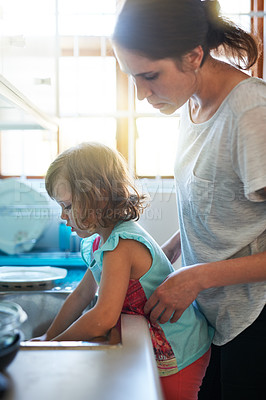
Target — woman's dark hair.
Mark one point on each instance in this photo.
(99, 182)
(161, 29)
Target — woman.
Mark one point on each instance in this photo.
(167, 47)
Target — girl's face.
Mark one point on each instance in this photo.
(63, 196)
(161, 82)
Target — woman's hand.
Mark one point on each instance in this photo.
(181, 288)
(173, 296)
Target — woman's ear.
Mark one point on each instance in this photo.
(192, 60)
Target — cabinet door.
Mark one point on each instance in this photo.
(29, 49)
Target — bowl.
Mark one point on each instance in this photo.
(4, 385)
(12, 317)
(8, 353)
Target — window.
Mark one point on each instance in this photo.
(59, 56)
(250, 15)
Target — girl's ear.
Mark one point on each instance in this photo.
(193, 59)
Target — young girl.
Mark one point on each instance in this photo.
(91, 184)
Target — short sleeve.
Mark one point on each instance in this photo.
(87, 249)
(249, 152)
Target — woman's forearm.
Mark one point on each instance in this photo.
(182, 287)
(232, 271)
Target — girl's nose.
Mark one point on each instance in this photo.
(143, 91)
(64, 215)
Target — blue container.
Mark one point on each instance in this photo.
(64, 237)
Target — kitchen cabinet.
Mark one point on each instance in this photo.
(28, 85)
(28, 49)
(26, 125)
(18, 112)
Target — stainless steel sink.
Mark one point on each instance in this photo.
(41, 308)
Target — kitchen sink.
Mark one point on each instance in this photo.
(41, 308)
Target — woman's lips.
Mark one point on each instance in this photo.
(159, 105)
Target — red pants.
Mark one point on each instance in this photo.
(186, 383)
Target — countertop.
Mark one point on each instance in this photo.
(52, 258)
(123, 372)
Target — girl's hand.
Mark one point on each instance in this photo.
(173, 296)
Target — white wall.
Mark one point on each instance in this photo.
(160, 218)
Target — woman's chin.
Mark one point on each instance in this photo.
(168, 109)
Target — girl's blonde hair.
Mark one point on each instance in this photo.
(99, 183)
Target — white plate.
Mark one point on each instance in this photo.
(24, 214)
(24, 276)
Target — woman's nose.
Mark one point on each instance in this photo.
(143, 91)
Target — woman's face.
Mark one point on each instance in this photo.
(161, 82)
(63, 196)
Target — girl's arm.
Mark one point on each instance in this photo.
(113, 288)
(73, 307)
(172, 248)
(182, 287)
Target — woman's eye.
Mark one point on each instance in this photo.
(68, 208)
(151, 77)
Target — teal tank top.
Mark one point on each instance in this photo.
(190, 337)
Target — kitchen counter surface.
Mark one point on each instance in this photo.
(123, 372)
(52, 258)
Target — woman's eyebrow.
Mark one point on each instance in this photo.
(143, 73)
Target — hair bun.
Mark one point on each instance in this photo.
(212, 9)
(216, 26)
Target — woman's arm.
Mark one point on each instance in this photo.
(172, 248)
(113, 288)
(182, 287)
(73, 307)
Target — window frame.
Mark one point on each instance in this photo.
(257, 28)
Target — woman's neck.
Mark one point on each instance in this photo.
(215, 80)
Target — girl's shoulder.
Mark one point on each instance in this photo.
(91, 247)
(127, 230)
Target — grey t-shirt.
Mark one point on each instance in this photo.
(220, 167)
